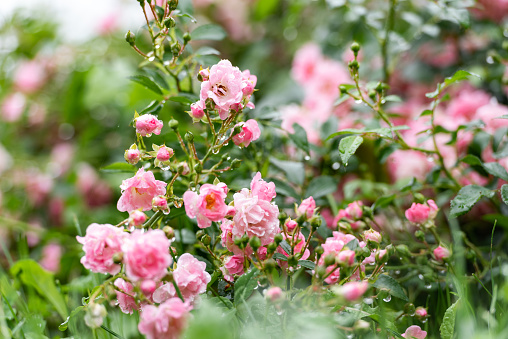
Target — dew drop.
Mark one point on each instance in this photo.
(228, 158)
(424, 321)
(358, 101)
(397, 272)
(387, 299)
(335, 166)
(490, 60)
(152, 58)
(429, 286)
(307, 158)
(420, 276)
(215, 151)
(166, 212)
(368, 301)
(165, 168)
(279, 312)
(227, 143)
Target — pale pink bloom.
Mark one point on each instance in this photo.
(205, 74)
(56, 208)
(233, 265)
(489, 114)
(197, 110)
(30, 76)
(95, 314)
(433, 208)
(290, 225)
(33, 234)
(274, 294)
(305, 62)
(147, 124)
(38, 186)
(255, 217)
(323, 87)
(354, 210)
(132, 156)
(51, 255)
(353, 290)
(227, 239)
(408, 164)
(36, 114)
(138, 191)
(62, 157)
(167, 321)
(126, 301)
(208, 206)
(262, 189)
(137, 218)
(465, 104)
(234, 16)
(414, 332)
(421, 312)
(381, 255)
(148, 287)
(307, 207)
(160, 203)
(250, 132)
(441, 253)
(13, 107)
(189, 275)
(372, 236)
(333, 245)
(100, 244)
(442, 54)
(292, 114)
(108, 24)
(96, 192)
(249, 83)
(495, 10)
(146, 255)
(224, 87)
(420, 213)
(298, 242)
(346, 257)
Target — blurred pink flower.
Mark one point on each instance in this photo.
(30, 76)
(250, 132)
(62, 157)
(38, 186)
(307, 207)
(274, 294)
(490, 113)
(441, 54)
(353, 290)
(138, 191)
(100, 244)
(167, 321)
(495, 10)
(146, 255)
(126, 301)
(13, 107)
(305, 62)
(51, 255)
(441, 253)
(96, 192)
(408, 164)
(414, 332)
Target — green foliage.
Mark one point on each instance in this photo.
(348, 147)
(467, 197)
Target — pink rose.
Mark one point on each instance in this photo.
(372, 236)
(250, 132)
(208, 206)
(441, 253)
(233, 265)
(138, 191)
(466, 103)
(30, 76)
(51, 255)
(333, 246)
(353, 290)
(408, 164)
(147, 124)
(189, 275)
(255, 217)
(137, 218)
(421, 312)
(13, 107)
(489, 114)
(248, 83)
(433, 209)
(132, 156)
(298, 242)
(160, 203)
(262, 189)
(354, 210)
(305, 61)
(224, 87)
(126, 301)
(418, 213)
(197, 110)
(164, 153)
(166, 321)
(307, 207)
(228, 241)
(100, 244)
(290, 225)
(146, 255)
(414, 332)
(274, 294)
(346, 258)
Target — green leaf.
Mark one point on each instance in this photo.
(299, 137)
(181, 99)
(280, 256)
(447, 327)
(295, 171)
(504, 193)
(307, 264)
(353, 244)
(154, 107)
(33, 275)
(386, 282)
(63, 326)
(208, 32)
(471, 160)
(459, 76)
(348, 147)
(321, 186)
(383, 132)
(384, 201)
(284, 188)
(264, 8)
(147, 83)
(496, 170)
(285, 246)
(426, 112)
(205, 50)
(113, 333)
(393, 98)
(119, 167)
(466, 198)
(245, 285)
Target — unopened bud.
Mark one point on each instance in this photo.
(403, 250)
(169, 231)
(292, 261)
(130, 38)
(169, 22)
(255, 243)
(118, 258)
(343, 89)
(168, 277)
(186, 37)
(236, 163)
(271, 247)
(283, 216)
(200, 234)
(409, 309)
(329, 259)
(198, 167)
(278, 238)
(175, 48)
(269, 265)
(206, 240)
(173, 124)
(354, 65)
(173, 4)
(189, 136)
(420, 235)
(315, 222)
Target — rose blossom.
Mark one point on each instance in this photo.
(138, 191)
(189, 275)
(414, 332)
(333, 245)
(305, 61)
(307, 207)
(30, 76)
(372, 236)
(132, 156)
(346, 257)
(352, 290)
(420, 213)
(232, 265)
(208, 206)
(100, 244)
(274, 294)
(224, 87)
(290, 225)
(147, 124)
(248, 83)
(137, 218)
(126, 303)
(146, 255)
(51, 255)
(441, 253)
(166, 321)
(13, 107)
(197, 110)
(250, 132)
(421, 312)
(262, 189)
